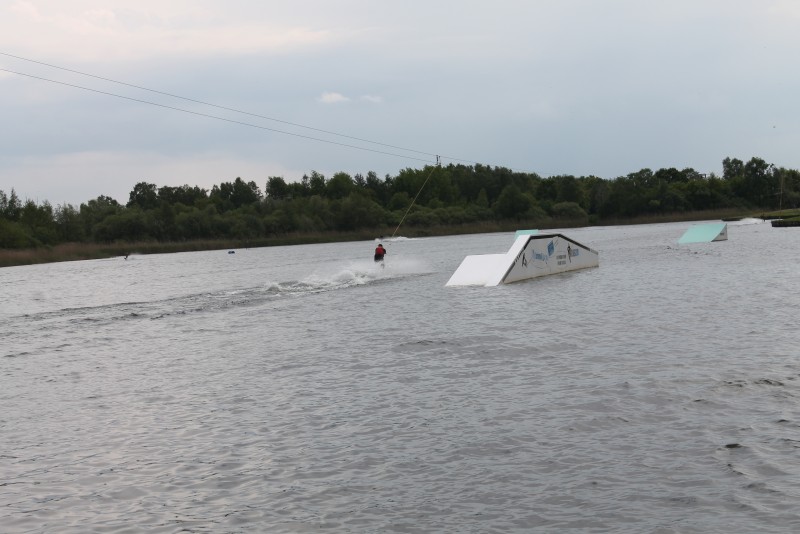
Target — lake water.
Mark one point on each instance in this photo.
(298, 389)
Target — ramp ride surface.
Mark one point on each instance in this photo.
(705, 233)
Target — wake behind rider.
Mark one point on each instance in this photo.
(380, 252)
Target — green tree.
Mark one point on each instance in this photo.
(409, 181)
(144, 195)
(689, 174)
(339, 186)
(568, 189)
(642, 179)
(671, 196)
(184, 194)
(379, 190)
(12, 235)
(467, 183)
(597, 190)
(38, 222)
(276, 188)
(97, 210)
(759, 184)
(698, 195)
(357, 211)
(400, 201)
(548, 190)
(482, 200)
(244, 193)
(316, 184)
(162, 222)
(440, 189)
(570, 211)
(128, 225)
(669, 176)
(10, 207)
(512, 204)
(732, 168)
(195, 223)
(788, 187)
(228, 196)
(68, 223)
(624, 199)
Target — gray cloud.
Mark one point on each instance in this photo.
(554, 87)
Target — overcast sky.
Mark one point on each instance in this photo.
(603, 87)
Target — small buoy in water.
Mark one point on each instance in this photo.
(231, 252)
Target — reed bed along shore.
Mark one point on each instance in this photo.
(89, 251)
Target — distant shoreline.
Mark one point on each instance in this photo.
(89, 251)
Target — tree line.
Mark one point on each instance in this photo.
(452, 195)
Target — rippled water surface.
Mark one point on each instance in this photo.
(299, 389)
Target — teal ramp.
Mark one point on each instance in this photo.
(525, 232)
(705, 233)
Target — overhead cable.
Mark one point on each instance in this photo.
(288, 123)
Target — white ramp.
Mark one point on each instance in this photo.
(530, 256)
(475, 270)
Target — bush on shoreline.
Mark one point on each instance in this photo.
(433, 200)
(90, 251)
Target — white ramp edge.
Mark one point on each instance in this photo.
(529, 257)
